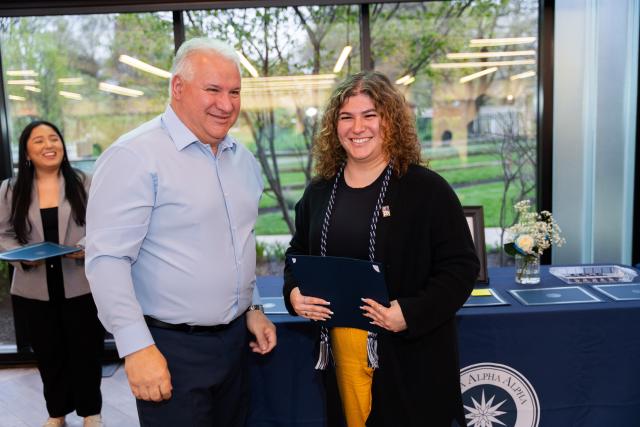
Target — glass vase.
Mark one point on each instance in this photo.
(528, 269)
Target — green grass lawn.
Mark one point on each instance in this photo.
(272, 223)
(471, 174)
(487, 195)
(269, 201)
(480, 165)
(457, 161)
(490, 197)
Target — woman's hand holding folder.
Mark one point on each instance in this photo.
(310, 307)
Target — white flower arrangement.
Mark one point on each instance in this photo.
(533, 233)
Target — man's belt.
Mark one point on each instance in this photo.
(183, 327)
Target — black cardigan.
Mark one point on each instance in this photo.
(430, 267)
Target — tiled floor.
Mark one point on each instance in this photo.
(22, 403)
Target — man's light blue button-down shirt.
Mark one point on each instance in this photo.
(170, 231)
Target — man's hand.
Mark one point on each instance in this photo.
(148, 374)
(264, 331)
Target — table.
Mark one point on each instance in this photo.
(552, 366)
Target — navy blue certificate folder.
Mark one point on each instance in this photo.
(37, 251)
(342, 282)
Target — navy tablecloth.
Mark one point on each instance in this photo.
(552, 366)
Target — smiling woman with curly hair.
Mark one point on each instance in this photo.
(372, 200)
(399, 136)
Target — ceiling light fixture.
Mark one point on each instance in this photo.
(501, 41)
(403, 79)
(119, 90)
(409, 81)
(247, 65)
(342, 59)
(473, 76)
(70, 95)
(71, 81)
(472, 55)
(143, 66)
(524, 75)
(22, 73)
(22, 82)
(483, 64)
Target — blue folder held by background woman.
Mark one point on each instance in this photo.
(342, 282)
(37, 251)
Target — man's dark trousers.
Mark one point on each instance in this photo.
(209, 378)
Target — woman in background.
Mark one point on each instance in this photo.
(47, 201)
(372, 200)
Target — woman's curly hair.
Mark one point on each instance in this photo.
(399, 136)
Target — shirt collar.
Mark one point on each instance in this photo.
(183, 137)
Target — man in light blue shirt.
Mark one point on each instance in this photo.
(170, 252)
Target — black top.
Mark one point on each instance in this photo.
(348, 234)
(430, 269)
(53, 265)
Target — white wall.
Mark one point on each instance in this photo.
(594, 128)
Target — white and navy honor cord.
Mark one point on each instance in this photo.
(372, 341)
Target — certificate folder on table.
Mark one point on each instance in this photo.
(549, 296)
(627, 292)
(342, 282)
(37, 251)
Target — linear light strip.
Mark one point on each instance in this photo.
(524, 75)
(483, 64)
(22, 73)
(342, 59)
(143, 66)
(403, 79)
(473, 76)
(247, 65)
(17, 98)
(70, 95)
(472, 55)
(501, 41)
(119, 90)
(22, 82)
(32, 89)
(68, 81)
(409, 81)
(303, 77)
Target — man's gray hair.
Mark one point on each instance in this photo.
(181, 64)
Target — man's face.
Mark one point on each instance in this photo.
(207, 97)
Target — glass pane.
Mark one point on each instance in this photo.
(469, 70)
(7, 334)
(77, 72)
(292, 66)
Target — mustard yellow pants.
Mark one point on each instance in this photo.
(354, 377)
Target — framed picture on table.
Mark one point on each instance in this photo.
(475, 221)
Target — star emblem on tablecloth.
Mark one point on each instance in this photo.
(484, 414)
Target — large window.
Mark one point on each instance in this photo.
(468, 67)
(469, 70)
